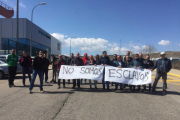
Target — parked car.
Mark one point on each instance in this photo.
(4, 66)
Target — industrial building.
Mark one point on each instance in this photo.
(41, 40)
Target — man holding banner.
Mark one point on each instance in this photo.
(136, 63)
(105, 61)
(59, 63)
(92, 62)
(119, 64)
(77, 61)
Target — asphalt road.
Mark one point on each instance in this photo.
(88, 104)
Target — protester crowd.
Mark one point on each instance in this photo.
(40, 66)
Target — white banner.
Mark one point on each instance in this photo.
(81, 72)
(128, 75)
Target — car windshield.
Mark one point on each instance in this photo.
(2, 62)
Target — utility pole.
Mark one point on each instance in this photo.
(17, 26)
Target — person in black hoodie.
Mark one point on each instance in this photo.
(77, 61)
(46, 66)
(105, 61)
(60, 62)
(37, 69)
(26, 62)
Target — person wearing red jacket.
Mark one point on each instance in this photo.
(60, 62)
(26, 62)
(86, 61)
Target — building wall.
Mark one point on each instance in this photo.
(38, 34)
(8, 30)
(55, 48)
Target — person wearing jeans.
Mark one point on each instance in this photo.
(163, 66)
(38, 66)
(12, 60)
(26, 62)
(40, 73)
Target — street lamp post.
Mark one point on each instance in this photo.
(31, 26)
(70, 43)
(17, 27)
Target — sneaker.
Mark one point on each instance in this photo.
(10, 86)
(41, 91)
(46, 81)
(30, 92)
(58, 87)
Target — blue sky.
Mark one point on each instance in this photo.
(100, 24)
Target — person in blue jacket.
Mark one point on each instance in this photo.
(136, 63)
(120, 64)
(163, 66)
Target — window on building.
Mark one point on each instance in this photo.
(58, 46)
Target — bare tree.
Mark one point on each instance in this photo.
(148, 49)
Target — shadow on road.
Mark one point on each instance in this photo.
(56, 92)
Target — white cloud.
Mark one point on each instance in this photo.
(91, 44)
(164, 42)
(21, 4)
(59, 36)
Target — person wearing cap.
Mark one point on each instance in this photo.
(163, 66)
(86, 61)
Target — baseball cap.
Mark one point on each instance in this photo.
(85, 53)
(162, 53)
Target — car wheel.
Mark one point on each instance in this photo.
(2, 75)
